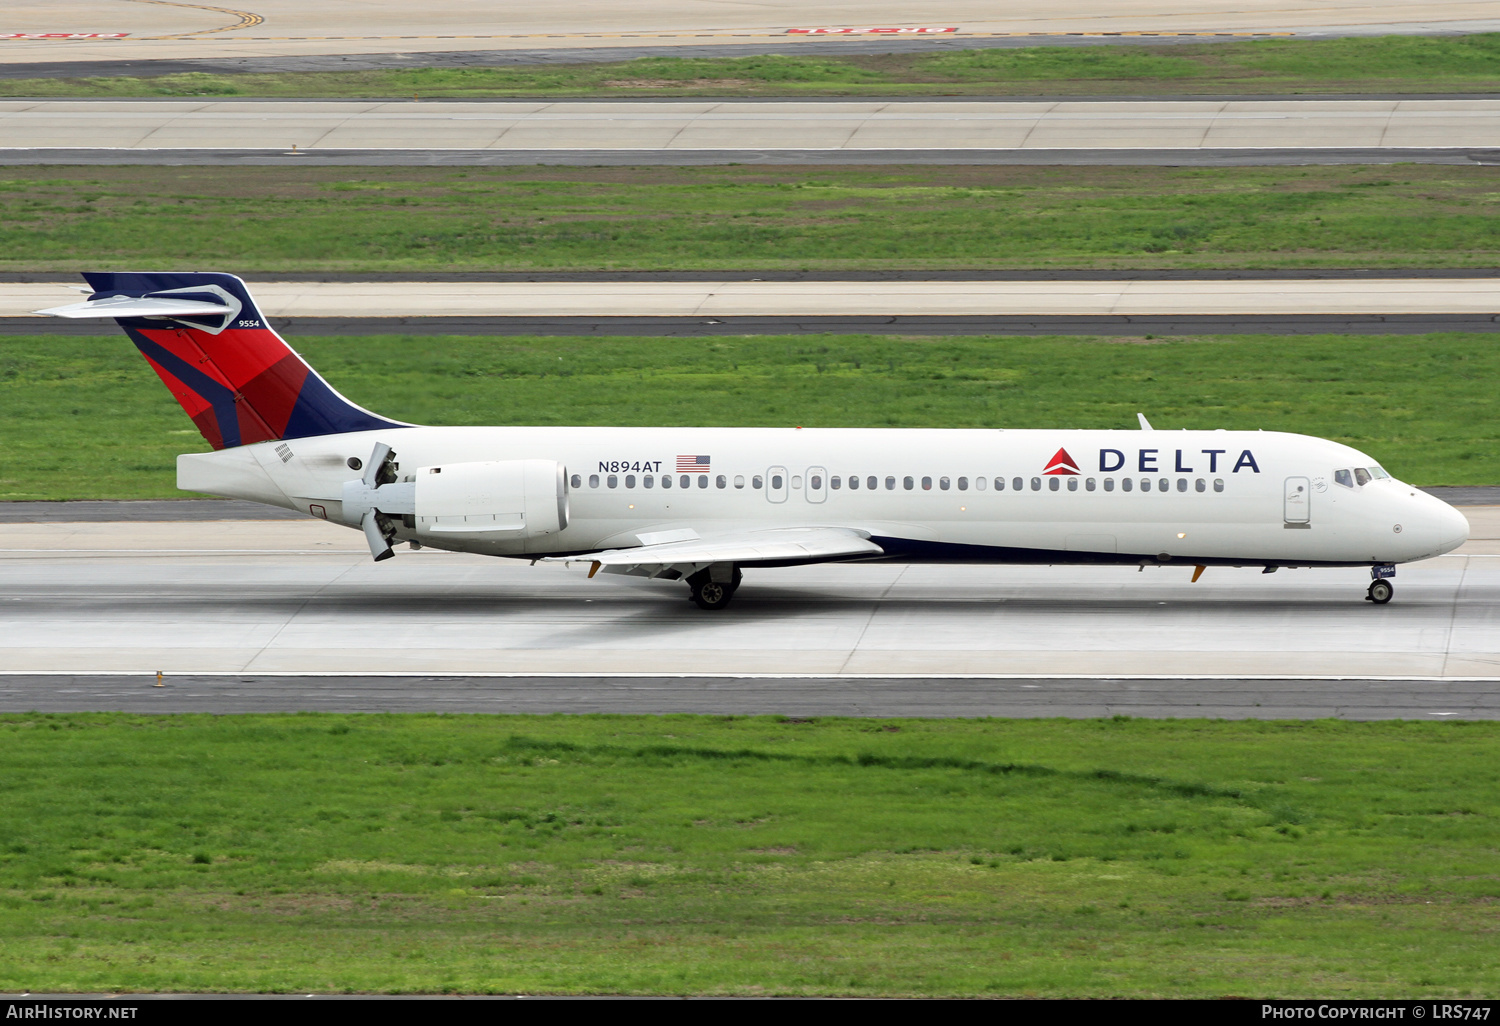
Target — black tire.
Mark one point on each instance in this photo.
(713, 595)
(1380, 592)
(720, 594)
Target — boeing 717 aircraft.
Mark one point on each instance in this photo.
(700, 505)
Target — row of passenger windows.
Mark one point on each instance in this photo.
(873, 483)
(1017, 484)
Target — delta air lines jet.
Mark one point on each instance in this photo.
(699, 505)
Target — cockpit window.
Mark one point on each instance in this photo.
(1344, 477)
(1378, 472)
(1362, 476)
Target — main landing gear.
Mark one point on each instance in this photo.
(1381, 588)
(708, 593)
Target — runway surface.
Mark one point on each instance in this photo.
(738, 298)
(671, 131)
(281, 27)
(303, 597)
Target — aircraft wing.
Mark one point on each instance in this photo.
(779, 546)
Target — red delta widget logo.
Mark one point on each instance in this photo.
(1149, 461)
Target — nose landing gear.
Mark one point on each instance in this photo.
(1381, 589)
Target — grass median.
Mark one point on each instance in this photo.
(723, 855)
(85, 417)
(765, 218)
(1386, 64)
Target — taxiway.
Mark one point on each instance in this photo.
(719, 131)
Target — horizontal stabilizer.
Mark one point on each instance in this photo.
(780, 546)
(145, 306)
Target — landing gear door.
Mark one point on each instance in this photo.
(1297, 505)
(776, 484)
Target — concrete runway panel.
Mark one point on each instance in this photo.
(887, 129)
(303, 597)
(1471, 296)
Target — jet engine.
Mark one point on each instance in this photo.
(494, 500)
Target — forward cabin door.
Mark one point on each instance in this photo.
(1297, 504)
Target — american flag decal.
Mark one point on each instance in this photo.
(693, 464)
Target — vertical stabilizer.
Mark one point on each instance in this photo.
(234, 375)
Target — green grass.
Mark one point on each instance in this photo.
(682, 855)
(1409, 64)
(85, 418)
(385, 219)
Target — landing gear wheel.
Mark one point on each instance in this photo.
(1380, 592)
(713, 595)
(707, 593)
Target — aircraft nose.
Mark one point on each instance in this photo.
(1443, 527)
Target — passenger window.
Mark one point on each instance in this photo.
(926, 484)
(963, 484)
(1218, 484)
(1198, 484)
(776, 482)
(648, 481)
(739, 480)
(833, 482)
(1125, 484)
(999, 484)
(577, 480)
(1182, 484)
(1015, 483)
(666, 480)
(908, 483)
(853, 482)
(757, 482)
(721, 481)
(1072, 484)
(1109, 484)
(1053, 483)
(979, 484)
(1089, 484)
(871, 483)
(1344, 478)
(685, 481)
(944, 483)
(815, 482)
(1145, 484)
(1164, 485)
(890, 484)
(1036, 484)
(1361, 476)
(702, 480)
(612, 481)
(629, 480)
(593, 480)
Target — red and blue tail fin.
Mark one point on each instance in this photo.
(232, 373)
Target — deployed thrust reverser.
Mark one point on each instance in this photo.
(492, 500)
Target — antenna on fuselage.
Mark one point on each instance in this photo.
(1145, 424)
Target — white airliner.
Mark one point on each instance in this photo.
(700, 504)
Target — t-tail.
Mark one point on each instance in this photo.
(233, 374)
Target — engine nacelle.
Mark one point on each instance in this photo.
(500, 500)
